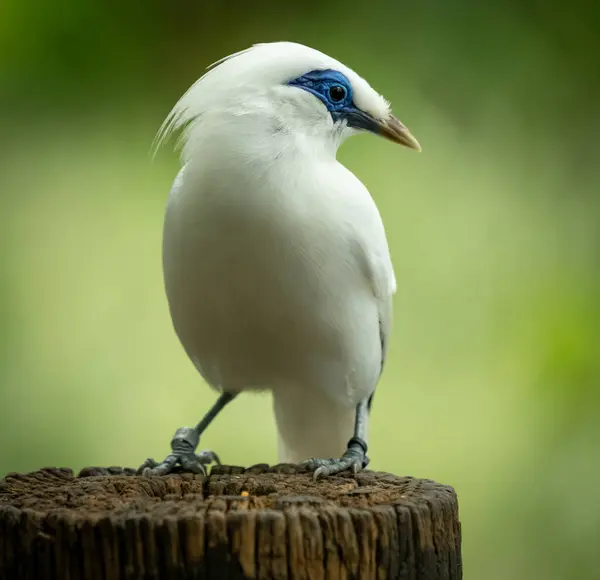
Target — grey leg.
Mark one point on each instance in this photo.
(184, 445)
(355, 457)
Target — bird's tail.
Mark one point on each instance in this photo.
(309, 424)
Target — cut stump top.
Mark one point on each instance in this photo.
(259, 522)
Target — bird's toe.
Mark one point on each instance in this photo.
(353, 460)
(183, 454)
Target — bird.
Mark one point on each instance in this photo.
(276, 265)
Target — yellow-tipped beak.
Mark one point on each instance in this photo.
(395, 131)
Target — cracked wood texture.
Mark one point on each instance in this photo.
(261, 522)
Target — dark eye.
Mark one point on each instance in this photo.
(337, 93)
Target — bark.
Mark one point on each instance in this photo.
(260, 522)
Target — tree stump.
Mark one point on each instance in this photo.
(261, 522)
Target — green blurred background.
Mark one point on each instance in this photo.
(492, 378)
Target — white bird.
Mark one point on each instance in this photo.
(276, 264)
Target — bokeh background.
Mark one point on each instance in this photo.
(492, 383)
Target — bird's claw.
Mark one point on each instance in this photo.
(190, 462)
(183, 447)
(354, 459)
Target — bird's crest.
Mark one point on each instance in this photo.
(260, 66)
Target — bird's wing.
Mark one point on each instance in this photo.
(378, 269)
(380, 274)
(369, 245)
(372, 253)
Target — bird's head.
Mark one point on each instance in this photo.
(294, 86)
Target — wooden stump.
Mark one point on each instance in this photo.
(238, 523)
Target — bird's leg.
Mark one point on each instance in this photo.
(355, 457)
(184, 443)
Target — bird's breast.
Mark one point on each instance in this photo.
(262, 287)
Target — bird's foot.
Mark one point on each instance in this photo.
(183, 447)
(354, 459)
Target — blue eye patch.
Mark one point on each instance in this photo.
(335, 91)
(330, 86)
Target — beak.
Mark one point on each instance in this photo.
(395, 131)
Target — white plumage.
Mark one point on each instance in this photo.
(276, 264)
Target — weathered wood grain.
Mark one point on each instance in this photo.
(262, 522)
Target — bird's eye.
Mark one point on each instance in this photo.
(337, 93)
